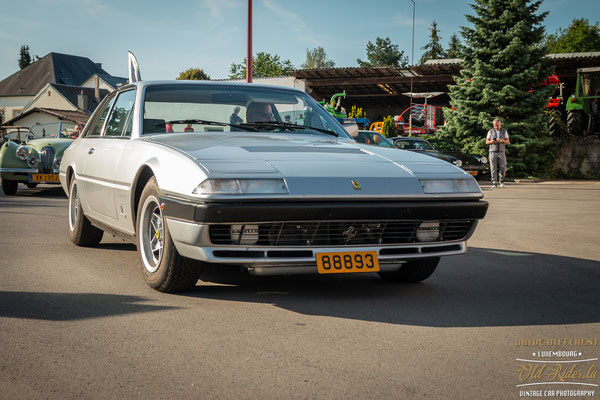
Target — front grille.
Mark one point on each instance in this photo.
(336, 233)
(46, 159)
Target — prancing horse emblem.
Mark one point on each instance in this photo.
(356, 185)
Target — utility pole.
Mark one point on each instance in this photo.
(249, 45)
(412, 62)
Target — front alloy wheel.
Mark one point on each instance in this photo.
(164, 269)
(152, 234)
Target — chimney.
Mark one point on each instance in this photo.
(82, 101)
(97, 88)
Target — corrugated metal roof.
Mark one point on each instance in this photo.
(77, 117)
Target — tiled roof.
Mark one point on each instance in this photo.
(57, 68)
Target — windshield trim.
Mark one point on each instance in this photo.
(224, 85)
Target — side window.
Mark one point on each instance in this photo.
(96, 129)
(120, 113)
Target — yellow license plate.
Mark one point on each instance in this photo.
(343, 262)
(474, 173)
(43, 178)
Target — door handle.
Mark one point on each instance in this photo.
(91, 150)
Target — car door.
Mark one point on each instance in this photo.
(103, 156)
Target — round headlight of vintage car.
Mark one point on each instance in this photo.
(23, 152)
(57, 161)
(483, 160)
(458, 163)
(33, 162)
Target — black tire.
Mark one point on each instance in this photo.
(166, 271)
(412, 271)
(556, 123)
(31, 185)
(79, 228)
(9, 187)
(575, 122)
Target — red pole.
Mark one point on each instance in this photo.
(249, 46)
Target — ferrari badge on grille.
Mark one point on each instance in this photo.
(356, 185)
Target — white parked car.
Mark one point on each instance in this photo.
(206, 172)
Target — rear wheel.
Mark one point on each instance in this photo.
(164, 269)
(80, 229)
(556, 124)
(575, 122)
(412, 271)
(9, 187)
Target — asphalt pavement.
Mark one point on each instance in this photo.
(81, 322)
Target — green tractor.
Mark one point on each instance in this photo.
(583, 114)
(335, 105)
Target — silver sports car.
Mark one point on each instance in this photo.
(198, 173)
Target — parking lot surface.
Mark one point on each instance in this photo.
(81, 322)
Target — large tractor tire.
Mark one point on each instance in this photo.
(575, 122)
(556, 124)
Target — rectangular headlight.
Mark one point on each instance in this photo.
(450, 186)
(242, 186)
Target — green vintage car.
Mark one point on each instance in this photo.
(34, 156)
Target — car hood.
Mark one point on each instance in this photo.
(58, 144)
(311, 164)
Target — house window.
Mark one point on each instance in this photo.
(48, 93)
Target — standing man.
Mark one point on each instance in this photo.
(497, 138)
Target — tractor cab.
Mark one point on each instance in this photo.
(583, 111)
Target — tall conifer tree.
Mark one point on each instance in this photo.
(502, 68)
(433, 49)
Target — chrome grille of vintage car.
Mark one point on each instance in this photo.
(333, 233)
(46, 159)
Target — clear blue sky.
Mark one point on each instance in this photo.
(171, 36)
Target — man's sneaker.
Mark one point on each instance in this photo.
(502, 185)
(494, 186)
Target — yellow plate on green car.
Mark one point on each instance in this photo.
(43, 178)
(344, 262)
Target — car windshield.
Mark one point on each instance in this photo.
(413, 145)
(221, 108)
(442, 145)
(51, 130)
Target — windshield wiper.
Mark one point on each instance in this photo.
(278, 124)
(215, 123)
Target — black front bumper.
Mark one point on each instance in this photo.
(264, 211)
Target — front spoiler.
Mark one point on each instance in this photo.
(254, 211)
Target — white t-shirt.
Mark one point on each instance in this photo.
(491, 132)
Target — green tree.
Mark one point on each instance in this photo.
(579, 37)
(193, 74)
(383, 53)
(433, 49)
(389, 127)
(455, 48)
(503, 64)
(264, 65)
(317, 58)
(24, 57)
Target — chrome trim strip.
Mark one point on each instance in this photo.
(22, 170)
